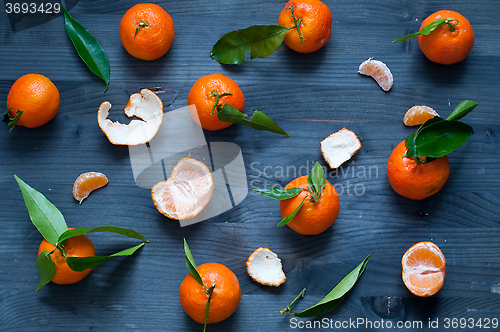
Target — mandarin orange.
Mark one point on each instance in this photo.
(147, 31)
(225, 298)
(449, 43)
(37, 97)
(423, 269)
(78, 246)
(203, 96)
(415, 180)
(315, 25)
(314, 217)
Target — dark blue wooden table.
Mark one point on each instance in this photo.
(310, 96)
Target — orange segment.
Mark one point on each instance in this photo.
(423, 269)
(379, 71)
(86, 183)
(417, 115)
(186, 192)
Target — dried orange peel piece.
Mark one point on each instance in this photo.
(379, 71)
(265, 267)
(339, 147)
(186, 192)
(423, 269)
(86, 183)
(417, 115)
(146, 106)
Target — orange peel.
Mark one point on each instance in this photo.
(265, 267)
(186, 192)
(146, 106)
(339, 147)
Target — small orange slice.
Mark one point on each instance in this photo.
(86, 183)
(417, 115)
(186, 192)
(379, 71)
(423, 269)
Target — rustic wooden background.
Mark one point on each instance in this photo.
(310, 96)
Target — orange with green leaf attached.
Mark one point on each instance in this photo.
(226, 293)
(65, 256)
(309, 204)
(418, 167)
(313, 22)
(209, 293)
(445, 37)
(449, 43)
(316, 214)
(412, 177)
(78, 246)
(147, 31)
(207, 93)
(33, 101)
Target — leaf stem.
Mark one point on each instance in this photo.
(141, 25)
(209, 291)
(11, 122)
(297, 23)
(61, 249)
(288, 307)
(451, 26)
(216, 104)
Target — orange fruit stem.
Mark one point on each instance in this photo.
(216, 104)
(141, 25)
(297, 23)
(451, 26)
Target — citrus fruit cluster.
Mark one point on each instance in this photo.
(309, 203)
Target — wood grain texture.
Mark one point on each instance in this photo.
(310, 96)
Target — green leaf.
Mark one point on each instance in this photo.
(230, 114)
(45, 216)
(439, 139)
(11, 122)
(80, 264)
(46, 269)
(462, 110)
(88, 48)
(260, 40)
(333, 299)
(278, 193)
(411, 138)
(191, 265)
(118, 230)
(287, 219)
(425, 30)
(259, 120)
(317, 178)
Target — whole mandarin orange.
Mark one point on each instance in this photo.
(202, 97)
(147, 31)
(314, 217)
(78, 246)
(413, 180)
(447, 45)
(225, 297)
(37, 97)
(315, 25)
